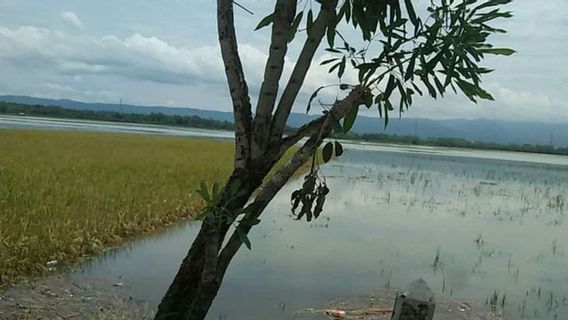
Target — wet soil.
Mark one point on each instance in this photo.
(78, 297)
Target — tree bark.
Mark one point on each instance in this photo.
(238, 87)
(312, 43)
(285, 11)
(178, 301)
(199, 277)
(197, 281)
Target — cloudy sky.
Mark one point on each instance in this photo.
(164, 52)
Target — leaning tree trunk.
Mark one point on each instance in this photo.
(187, 287)
(259, 144)
(199, 277)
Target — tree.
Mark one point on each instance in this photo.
(401, 55)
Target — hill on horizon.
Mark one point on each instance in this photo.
(485, 130)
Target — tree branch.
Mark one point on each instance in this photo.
(300, 71)
(304, 131)
(267, 193)
(284, 13)
(236, 80)
(263, 198)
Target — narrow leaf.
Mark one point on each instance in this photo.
(342, 67)
(244, 238)
(204, 192)
(338, 149)
(314, 95)
(498, 51)
(328, 61)
(411, 12)
(295, 25)
(310, 22)
(327, 152)
(266, 21)
(350, 119)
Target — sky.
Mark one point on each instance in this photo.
(165, 52)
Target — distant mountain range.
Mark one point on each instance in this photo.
(480, 130)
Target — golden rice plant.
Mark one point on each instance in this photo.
(66, 195)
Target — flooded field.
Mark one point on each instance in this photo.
(25, 122)
(479, 229)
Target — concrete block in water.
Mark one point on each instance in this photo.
(415, 303)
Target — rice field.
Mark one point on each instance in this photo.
(68, 195)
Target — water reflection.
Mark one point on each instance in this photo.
(486, 230)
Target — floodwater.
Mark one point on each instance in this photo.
(477, 229)
(483, 226)
(24, 122)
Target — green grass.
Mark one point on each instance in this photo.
(67, 195)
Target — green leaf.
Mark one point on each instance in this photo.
(295, 25)
(387, 107)
(335, 66)
(203, 191)
(327, 61)
(368, 97)
(488, 4)
(327, 152)
(314, 95)
(244, 237)
(310, 22)
(492, 3)
(411, 12)
(350, 119)
(416, 88)
(202, 215)
(484, 94)
(468, 89)
(390, 86)
(331, 35)
(342, 67)
(497, 51)
(331, 30)
(347, 6)
(353, 63)
(215, 192)
(332, 50)
(338, 149)
(429, 86)
(409, 74)
(439, 85)
(266, 21)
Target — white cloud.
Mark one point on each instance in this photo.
(154, 54)
(72, 19)
(58, 87)
(137, 56)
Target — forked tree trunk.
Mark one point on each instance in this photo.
(199, 278)
(259, 144)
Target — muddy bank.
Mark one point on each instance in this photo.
(70, 297)
(79, 297)
(446, 309)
